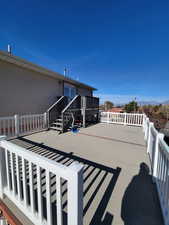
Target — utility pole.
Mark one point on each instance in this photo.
(135, 105)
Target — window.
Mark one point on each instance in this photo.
(69, 90)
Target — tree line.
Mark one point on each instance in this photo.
(130, 107)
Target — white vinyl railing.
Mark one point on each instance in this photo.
(134, 119)
(35, 184)
(158, 151)
(15, 126)
(8, 126)
(29, 179)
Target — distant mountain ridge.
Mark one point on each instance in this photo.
(141, 103)
(149, 103)
(166, 102)
(153, 103)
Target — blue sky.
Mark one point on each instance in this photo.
(120, 47)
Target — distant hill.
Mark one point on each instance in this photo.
(153, 103)
(141, 103)
(166, 102)
(149, 103)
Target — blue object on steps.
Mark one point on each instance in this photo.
(75, 129)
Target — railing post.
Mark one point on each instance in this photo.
(159, 136)
(16, 125)
(46, 120)
(107, 117)
(125, 118)
(84, 117)
(146, 128)
(143, 123)
(75, 195)
(2, 168)
(149, 137)
(144, 119)
(84, 111)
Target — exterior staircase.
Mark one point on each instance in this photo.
(57, 124)
(64, 112)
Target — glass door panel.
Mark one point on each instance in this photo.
(69, 91)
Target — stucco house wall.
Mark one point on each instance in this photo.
(26, 88)
(23, 91)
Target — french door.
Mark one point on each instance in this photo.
(69, 91)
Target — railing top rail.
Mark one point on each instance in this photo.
(137, 114)
(70, 103)
(31, 115)
(48, 164)
(6, 118)
(153, 129)
(60, 99)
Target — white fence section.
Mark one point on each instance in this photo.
(21, 125)
(7, 126)
(29, 180)
(158, 151)
(122, 118)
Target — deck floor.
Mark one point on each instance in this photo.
(118, 187)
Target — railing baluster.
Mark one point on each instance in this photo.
(7, 169)
(20, 125)
(164, 178)
(162, 170)
(8, 128)
(18, 177)
(24, 182)
(13, 174)
(30, 122)
(39, 191)
(59, 200)
(31, 187)
(24, 125)
(38, 118)
(33, 120)
(4, 127)
(13, 127)
(36, 123)
(48, 198)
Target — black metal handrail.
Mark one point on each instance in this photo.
(73, 107)
(55, 110)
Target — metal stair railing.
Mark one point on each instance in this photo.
(55, 110)
(74, 107)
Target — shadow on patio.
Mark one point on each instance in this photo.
(99, 183)
(140, 204)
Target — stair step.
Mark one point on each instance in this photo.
(56, 128)
(57, 123)
(59, 119)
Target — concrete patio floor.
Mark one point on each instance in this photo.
(118, 187)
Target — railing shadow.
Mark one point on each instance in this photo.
(140, 204)
(97, 177)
